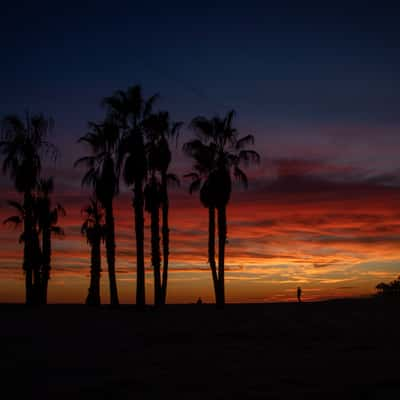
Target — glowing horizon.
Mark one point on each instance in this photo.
(303, 223)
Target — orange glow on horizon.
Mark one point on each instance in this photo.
(328, 242)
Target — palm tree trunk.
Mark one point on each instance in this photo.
(46, 249)
(165, 235)
(93, 298)
(97, 273)
(139, 230)
(155, 253)
(28, 286)
(110, 250)
(221, 255)
(28, 242)
(37, 264)
(211, 250)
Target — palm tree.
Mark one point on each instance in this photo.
(21, 145)
(102, 175)
(48, 219)
(94, 230)
(130, 109)
(219, 153)
(203, 179)
(36, 255)
(159, 129)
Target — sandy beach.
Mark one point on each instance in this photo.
(335, 349)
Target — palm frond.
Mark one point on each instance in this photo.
(229, 118)
(87, 161)
(61, 210)
(244, 141)
(49, 149)
(195, 185)
(149, 104)
(248, 157)
(203, 127)
(57, 231)
(192, 175)
(15, 220)
(18, 206)
(90, 178)
(116, 101)
(175, 131)
(21, 238)
(240, 176)
(173, 179)
(12, 125)
(194, 147)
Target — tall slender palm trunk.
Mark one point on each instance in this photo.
(37, 263)
(110, 250)
(28, 253)
(138, 203)
(93, 298)
(221, 255)
(165, 235)
(155, 253)
(211, 250)
(46, 249)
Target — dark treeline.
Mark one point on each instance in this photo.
(130, 145)
(389, 289)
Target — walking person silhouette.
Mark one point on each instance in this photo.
(299, 294)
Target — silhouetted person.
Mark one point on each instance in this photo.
(199, 301)
(299, 294)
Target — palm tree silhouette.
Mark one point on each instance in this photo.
(48, 219)
(21, 145)
(159, 129)
(203, 179)
(36, 255)
(130, 109)
(94, 230)
(219, 153)
(102, 175)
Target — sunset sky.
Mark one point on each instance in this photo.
(318, 87)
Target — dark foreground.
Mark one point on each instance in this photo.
(330, 350)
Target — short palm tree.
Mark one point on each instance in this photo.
(48, 220)
(130, 109)
(102, 175)
(22, 145)
(94, 229)
(219, 154)
(17, 220)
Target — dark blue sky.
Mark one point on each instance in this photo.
(280, 66)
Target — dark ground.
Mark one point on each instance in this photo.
(328, 350)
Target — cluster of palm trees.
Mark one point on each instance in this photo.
(24, 144)
(132, 144)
